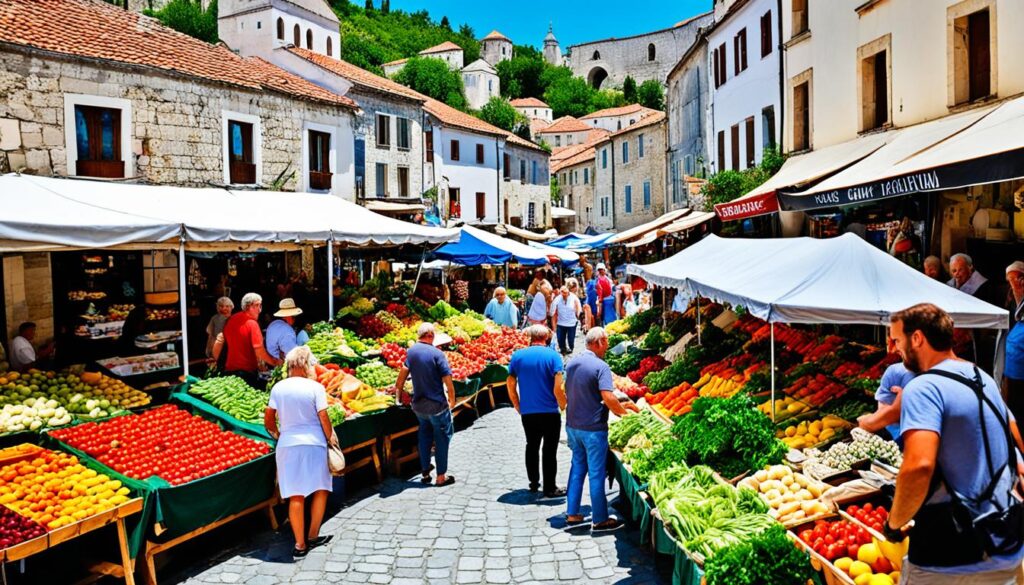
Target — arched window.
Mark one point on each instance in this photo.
(297, 36)
(650, 52)
(280, 29)
(329, 44)
(309, 39)
(596, 56)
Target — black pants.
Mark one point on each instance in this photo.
(546, 427)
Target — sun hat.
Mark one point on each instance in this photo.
(601, 266)
(287, 308)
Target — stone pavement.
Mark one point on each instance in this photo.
(486, 528)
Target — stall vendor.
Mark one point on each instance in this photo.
(887, 416)
(281, 337)
(502, 310)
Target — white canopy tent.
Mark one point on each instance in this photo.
(566, 256)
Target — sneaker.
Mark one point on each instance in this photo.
(607, 526)
(555, 493)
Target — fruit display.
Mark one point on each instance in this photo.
(869, 515)
(377, 374)
(161, 314)
(463, 367)
(495, 347)
(842, 456)
(81, 295)
(372, 327)
(54, 489)
(388, 319)
(793, 497)
(366, 399)
(835, 539)
(647, 365)
(15, 528)
(357, 308)
(785, 407)
(465, 326)
(165, 441)
(358, 344)
(232, 395)
(33, 414)
(402, 336)
(393, 354)
(811, 433)
(815, 389)
(38, 399)
(629, 387)
(879, 571)
(675, 402)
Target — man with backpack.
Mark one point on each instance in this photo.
(960, 478)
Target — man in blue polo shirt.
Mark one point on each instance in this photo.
(590, 395)
(535, 389)
(887, 415)
(431, 376)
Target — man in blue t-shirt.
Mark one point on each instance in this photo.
(942, 433)
(535, 389)
(887, 416)
(590, 394)
(431, 377)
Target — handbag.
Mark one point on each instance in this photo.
(335, 457)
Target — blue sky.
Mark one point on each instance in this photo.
(575, 21)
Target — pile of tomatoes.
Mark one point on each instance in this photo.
(393, 354)
(166, 441)
(869, 515)
(462, 366)
(836, 538)
(495, 347)
(649, 364)
(371, 327)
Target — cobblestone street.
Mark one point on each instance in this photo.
(487, 528)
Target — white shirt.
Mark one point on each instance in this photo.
(298, 402)
(567, 310)
(22, 353)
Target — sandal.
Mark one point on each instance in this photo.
(449, 480)
(318, 541)
(298, 553)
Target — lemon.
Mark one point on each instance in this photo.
(843, 564)
(858, 568)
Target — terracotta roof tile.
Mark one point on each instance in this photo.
(496, 36)
(449, 116)
(647, 120)
(587, 154)
(530, 102)
(395, 62)
(620, 111)
(565, 124)
(442, 48)
(97, 30)
(358, 76)
(595, 136)
(538, 124)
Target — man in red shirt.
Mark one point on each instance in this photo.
(244, 342)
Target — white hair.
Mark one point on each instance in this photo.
(595, 335)
(225, 302)
(424, 330)
(250, 299)
(538, 332)
(300, 358)
(933, 260)
(964, 257)
(499, 289)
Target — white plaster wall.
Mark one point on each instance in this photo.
(480, 87)
(466, 174)
(255, 33)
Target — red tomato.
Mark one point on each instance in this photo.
(851, 550)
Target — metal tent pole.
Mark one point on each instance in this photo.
(416, 283)
(182, 287)
(697, 307)
(772, 325)
(330, 278)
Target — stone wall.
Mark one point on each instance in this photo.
(688, 115)
(604, 185)
(650, 168)
(28, 294)
(371, 104)
(176, 132)
(578, 194)
(521, 191)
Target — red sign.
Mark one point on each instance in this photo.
(748, 207)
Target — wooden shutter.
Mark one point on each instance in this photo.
(481, 205)
(766, 34)
(506, 170)
(718, 78)
(750, 141)
(723, 65)
(721, 151)
(734, 137)
(241, 169)
(428, 139)
(980, 66)
(479, 154)
(455, 150)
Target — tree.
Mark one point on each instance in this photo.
(651, 95)
(385, 6)
(466, 31)
(432, 77)
(369, 5)
(727, 185)
(629, 90)
(188, 17)
(500, 113)
(522, 76)
(445, 24)
(569, 96)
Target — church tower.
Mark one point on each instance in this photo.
(552, 53)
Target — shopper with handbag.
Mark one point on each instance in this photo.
(297, 417)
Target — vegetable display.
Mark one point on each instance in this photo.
(675, 402)
(38, 399)
(792, 496)
(842, 456)
(377, 374)
(673, 375)
(165, 441)
(633, 424)
(768, 558)
(811, 433)
(728, 435)
(232, 395)
(834, 539)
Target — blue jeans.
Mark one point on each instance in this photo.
(589, 457)
(435, 430)
(567, 337)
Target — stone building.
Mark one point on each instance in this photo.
(565, 131)
(533, 108)
(688, 110)
(575, 175)
(607, 62)
(481, 82)
(552, 52)
(495, 48)
(257, 27)
(630, 185)
(615, 119)
(447, 51)
(526, 184)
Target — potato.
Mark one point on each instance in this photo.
(761, 476)
(773, 495)
(804, 495)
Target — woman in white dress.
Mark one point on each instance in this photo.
(299, 402)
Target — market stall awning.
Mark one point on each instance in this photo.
(687, 222)
(211, 217)
(504, 229)
(567, 240)
(381, 206)
(841, 280)
(589, 243)
(561, 212)
(640, 230)
(566, 257)
(478, 247)
(976, 147)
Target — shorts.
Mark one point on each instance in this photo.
(914, 575)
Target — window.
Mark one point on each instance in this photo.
(309, 39)
(428, 139)
(595, 56)
(766, 34)
(625, 152)
(768, 127)
(404, 135)
(297, 36)
(522, 171)
(640, 146)
(490, 86)
(586, 176)
(721, 71)
(647, 194)
(972, 56)
(569, 139)
(383, 131)
(675, 181)
(558, 140)
(531, 214)
(604, 158)
(799, 16)
(874, 91)
(280, 29)
(739, 47)
(628, 198)
(403, 181)
(242, 165)
(319, 160)
(650, 52)
(689, 166)
(802, 116)
(721, 150)
(382, 180)
(481, 206)
(455, 150)
(533, 172)
(454, 202)
(506, 170)
(619, 125)
(330, 47)
(506, 211)
(749, 131)
(734, 139)
(98, 137)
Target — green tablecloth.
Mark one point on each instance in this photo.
(684, 570)
(493, 374)
(633, 504)
(468, 388)
(362, 428)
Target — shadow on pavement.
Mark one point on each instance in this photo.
(524, 497)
